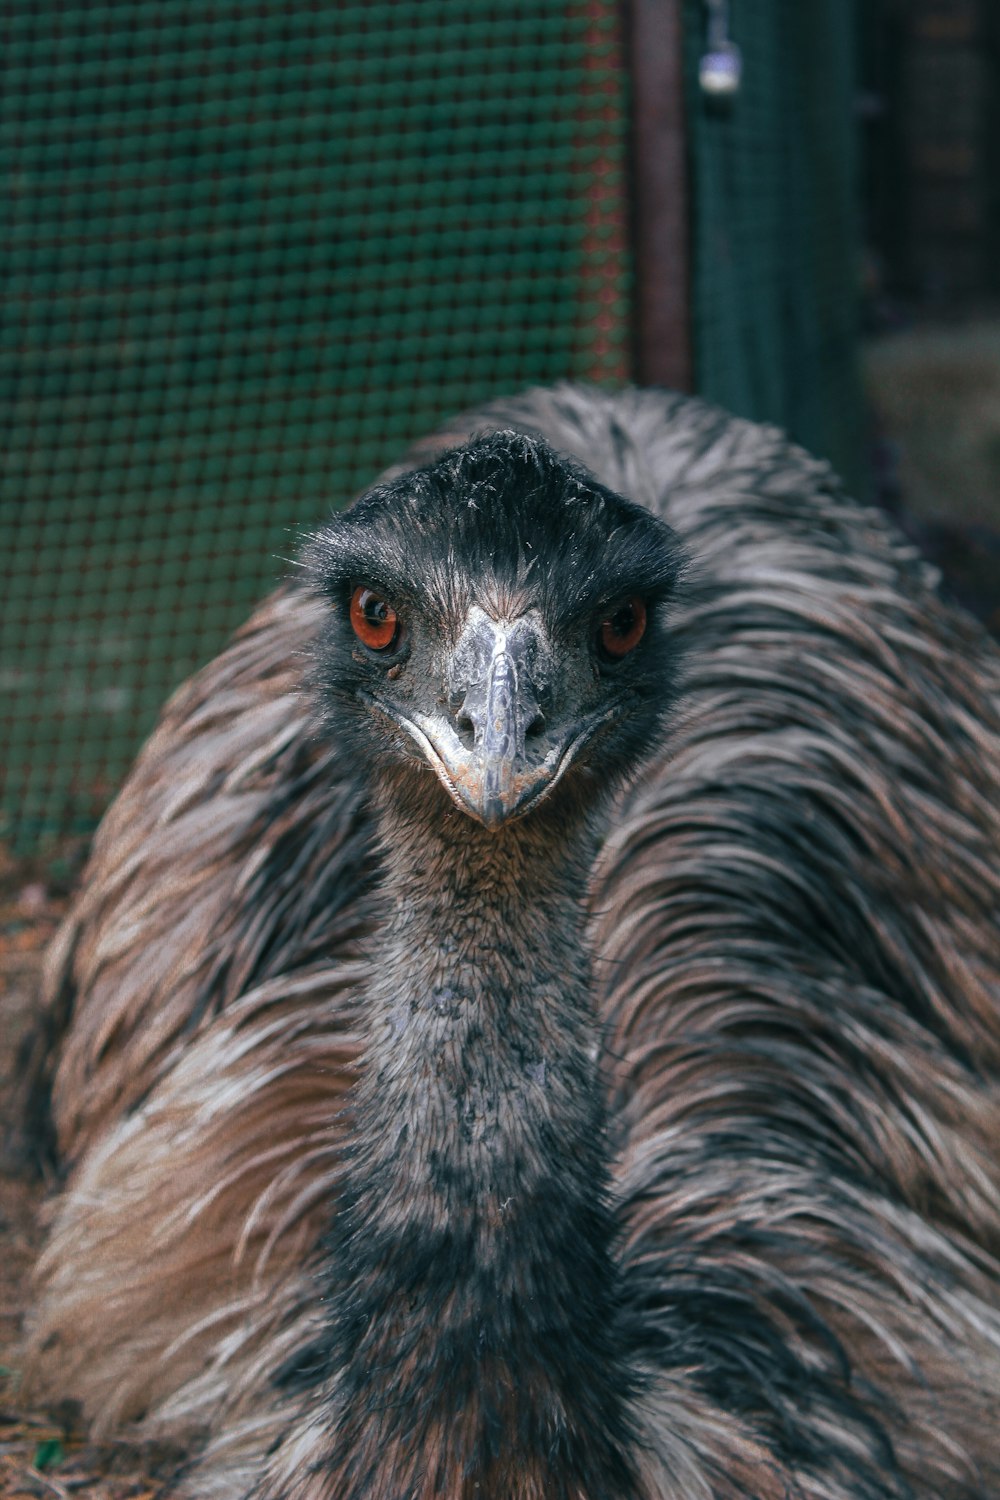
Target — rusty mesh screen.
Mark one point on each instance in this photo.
(248, 252)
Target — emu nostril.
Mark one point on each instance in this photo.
(465, 727)
(536, 727)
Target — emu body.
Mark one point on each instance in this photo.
(404, 1158)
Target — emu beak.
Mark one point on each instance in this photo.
(494, 686)
(494, 752)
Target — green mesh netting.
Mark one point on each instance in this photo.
(774, 224)
(248, 252)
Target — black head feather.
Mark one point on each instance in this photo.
(502, 529)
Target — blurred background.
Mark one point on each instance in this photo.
(250, 250)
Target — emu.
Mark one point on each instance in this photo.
(529, 1026)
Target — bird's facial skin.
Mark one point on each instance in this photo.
(494, 742)
(505, 646)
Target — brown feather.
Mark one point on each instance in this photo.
(796, 925)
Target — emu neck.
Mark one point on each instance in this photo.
(477, 1299)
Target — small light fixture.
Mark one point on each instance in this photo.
(720, 71)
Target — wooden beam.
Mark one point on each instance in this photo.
(661, 223)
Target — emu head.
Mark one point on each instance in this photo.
(498, 619)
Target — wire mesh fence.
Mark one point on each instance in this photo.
(775, 224)
(251, 251)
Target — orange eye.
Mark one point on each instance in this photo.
(623, 629)
(375, 623)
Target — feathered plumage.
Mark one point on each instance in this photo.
(794, 917)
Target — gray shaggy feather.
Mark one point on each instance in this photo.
(795, 918)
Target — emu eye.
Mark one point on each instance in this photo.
(622, 628)
(375, 622)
